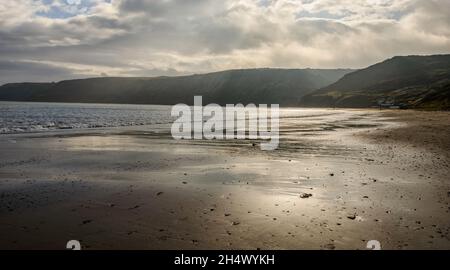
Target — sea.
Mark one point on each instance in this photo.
(21, 117)
(26, 117)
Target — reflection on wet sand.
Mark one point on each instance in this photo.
(327, 186)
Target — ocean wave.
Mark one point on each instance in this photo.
(21, 117)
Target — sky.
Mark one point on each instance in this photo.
(52, 40)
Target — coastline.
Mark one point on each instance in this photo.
(373, 175)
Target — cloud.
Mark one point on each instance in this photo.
(171, 37)
(24, 71)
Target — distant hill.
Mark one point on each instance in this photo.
(408, 81)
(282, 86)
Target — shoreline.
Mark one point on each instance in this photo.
(135, 188)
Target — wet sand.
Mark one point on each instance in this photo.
(372, 175)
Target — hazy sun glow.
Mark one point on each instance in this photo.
(43, 40)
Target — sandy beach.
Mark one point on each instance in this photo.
(338, 179)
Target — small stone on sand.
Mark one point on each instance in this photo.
(305, 195)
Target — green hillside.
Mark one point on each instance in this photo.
(282, 86)
(408, 81)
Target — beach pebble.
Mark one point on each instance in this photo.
(87, 221)
(305, 195)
